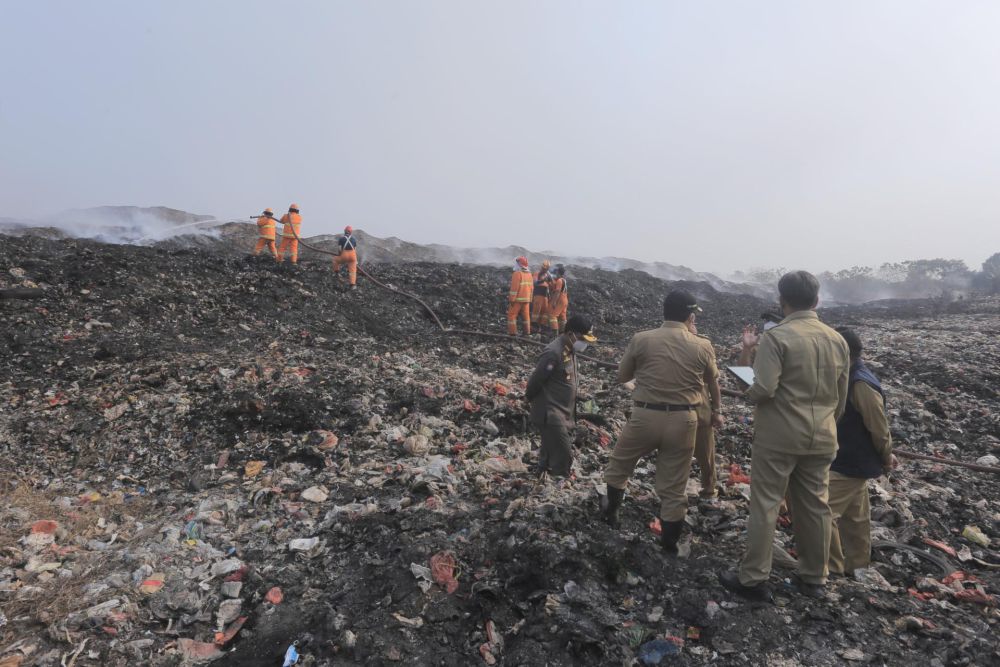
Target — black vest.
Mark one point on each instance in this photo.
(857, 456)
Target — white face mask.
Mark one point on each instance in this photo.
(580, 345)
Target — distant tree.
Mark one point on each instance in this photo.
(988, 280)
(894, 272)
(764, 276)
(991, 267)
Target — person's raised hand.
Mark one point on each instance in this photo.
(750, 337)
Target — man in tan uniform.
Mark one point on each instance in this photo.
(671, 367)
(865, 453)
(800, 390)
(704, 441)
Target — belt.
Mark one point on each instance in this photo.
(662, 407)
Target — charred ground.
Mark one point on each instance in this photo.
(138, 389)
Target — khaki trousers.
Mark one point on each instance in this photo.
(671, 435)
(704, 454)
(556, 453)
(806, 479)
(851, 534)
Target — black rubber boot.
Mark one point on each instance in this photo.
(670, 533)
(611, 511)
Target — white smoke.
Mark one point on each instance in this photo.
(125, 225)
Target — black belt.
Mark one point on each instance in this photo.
(662, 407)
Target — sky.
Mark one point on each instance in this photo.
(717, 135)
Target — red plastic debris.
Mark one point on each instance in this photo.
(500, 389)
(46, 526)
(470, 406)
(737, 476)
(940, 545)
(459, 447)
(957, 575)
(443, 570)
(655, 526)
(275, 595)
(238, 575)
(223, 638)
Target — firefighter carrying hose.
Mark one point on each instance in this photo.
(348, 256)
(519, 297)
(290, 233)
(265, 232)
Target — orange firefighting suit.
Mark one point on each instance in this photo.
(348, 257)
(265, 230)
(521, 289)
(289, 240)
(558, 304)
(539, 307)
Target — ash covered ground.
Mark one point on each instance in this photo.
(186, 430)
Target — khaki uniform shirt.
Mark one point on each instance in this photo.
(800, 386)
(670, 365)
(869, 403)
(553, 385)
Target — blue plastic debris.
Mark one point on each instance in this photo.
(291, 655)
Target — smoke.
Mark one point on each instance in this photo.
(125, 225)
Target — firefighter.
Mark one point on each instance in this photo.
(348, 256)
(292, 222)
(539, 307)
(519, 297)
(265, 231)
(558, 304)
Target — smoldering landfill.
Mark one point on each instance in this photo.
(208, 457)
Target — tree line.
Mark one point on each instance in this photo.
(921, 278)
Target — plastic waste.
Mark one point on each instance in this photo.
(974, 534)
(291, 655)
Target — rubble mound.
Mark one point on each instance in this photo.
(214, 458)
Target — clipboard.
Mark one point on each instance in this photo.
(742, 373)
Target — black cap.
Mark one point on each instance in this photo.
(679, 304)
(581, 326)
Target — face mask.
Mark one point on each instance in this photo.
(580, 345)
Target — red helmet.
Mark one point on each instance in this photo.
(348, 229)
(523, 261)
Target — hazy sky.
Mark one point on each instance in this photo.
(720, 135)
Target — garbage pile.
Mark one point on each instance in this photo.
(212, 459)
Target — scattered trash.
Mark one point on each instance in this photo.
(974, 534)
(153, 584)
(291, 655)
(253, 468)
(315, 494)
(872, 578)
(443, 569)
(244, 388)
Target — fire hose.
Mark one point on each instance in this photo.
(437, 320)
